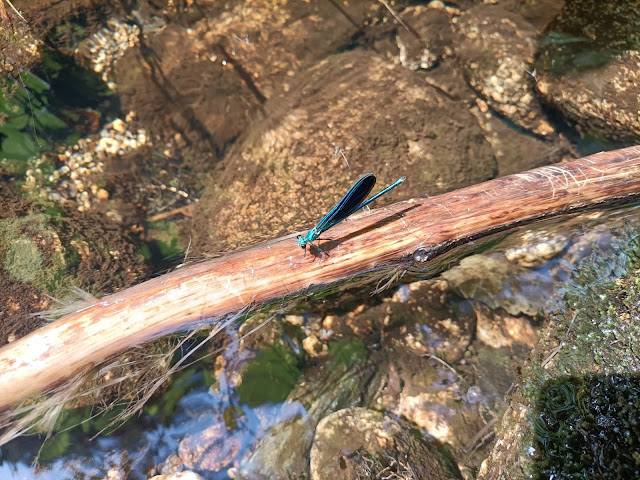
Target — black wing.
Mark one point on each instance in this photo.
(348, 204)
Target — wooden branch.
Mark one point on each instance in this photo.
(397, 235)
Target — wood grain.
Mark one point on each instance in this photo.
(400, 234)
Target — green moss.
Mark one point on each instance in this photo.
(269, 377)
(583, 384)
(23, 260)
(26, 252)
(165, 243)
(72, 427)
(55, 447)
(589, 427)
(347, 352)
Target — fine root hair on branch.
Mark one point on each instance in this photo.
(41, 414)
(76, 300)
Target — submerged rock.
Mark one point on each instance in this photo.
(361, 443)
(574, 412)
(588, 67)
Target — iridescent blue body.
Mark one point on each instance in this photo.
(348, 205)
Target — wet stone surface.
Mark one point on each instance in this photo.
(588, 68)
(357, 442)
(276, 180)
(601, 112)
(582, 378)
(497, 70)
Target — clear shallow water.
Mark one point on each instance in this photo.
(214, 431)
